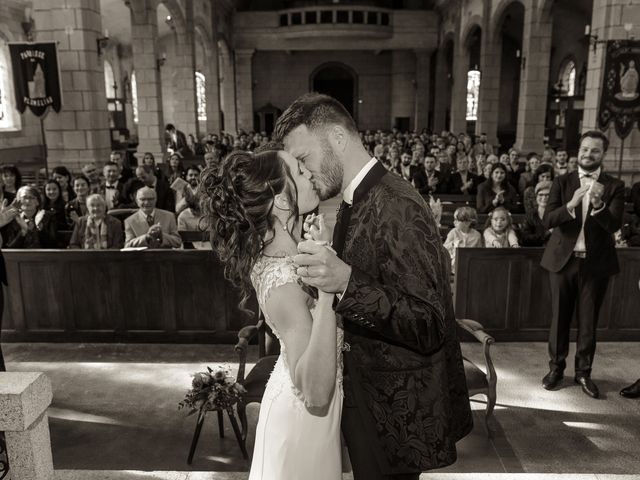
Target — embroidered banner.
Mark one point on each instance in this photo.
(620, 100)
(36, 76)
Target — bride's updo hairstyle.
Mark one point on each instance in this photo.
(237, 200)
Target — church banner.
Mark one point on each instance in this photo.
(36, 76)
(620, 100)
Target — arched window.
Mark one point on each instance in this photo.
(109, 80)
(567, 79)
(201, 96)
(9, 116)
(134, 97)
(473, 92)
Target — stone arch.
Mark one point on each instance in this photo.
(499, 16)
(342, 86)
(475, 22)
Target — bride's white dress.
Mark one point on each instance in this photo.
(291, 443)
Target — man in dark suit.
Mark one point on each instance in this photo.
(463, 182)
(406, 401)
(428, 180)
(145, 177)
(113, 190)
(176, 140)
(585, 209)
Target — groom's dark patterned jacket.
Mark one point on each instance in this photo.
(404, 369)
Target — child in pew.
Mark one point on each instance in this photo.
(499, 232)
(462, 234)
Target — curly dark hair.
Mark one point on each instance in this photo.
(237, 201)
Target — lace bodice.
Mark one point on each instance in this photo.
(273, 272)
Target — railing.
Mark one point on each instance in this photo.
(25, 398)
(370, 21)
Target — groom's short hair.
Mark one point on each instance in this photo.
(314, 111)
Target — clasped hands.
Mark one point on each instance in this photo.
(594, 192)
(318, 264)
(154, 235)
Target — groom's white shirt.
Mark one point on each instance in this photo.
(347, 195)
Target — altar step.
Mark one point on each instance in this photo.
(141, 475)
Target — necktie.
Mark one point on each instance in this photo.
(150, 220)
(342, 224)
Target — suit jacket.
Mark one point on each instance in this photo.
(599, 228)
(136, 228)
(421, 182)
(115, 236)
(455, 187)
(120, 199)
(404, 369)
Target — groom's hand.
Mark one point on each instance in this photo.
(320, 267)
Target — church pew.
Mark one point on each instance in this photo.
(177, 296)
(508, 292)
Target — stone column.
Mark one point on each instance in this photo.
(609, 17)
(213, 77)
(403, 86)
(532, 105)
(228, 87)
(185, 112)
(489, 99)
(80, 132)
(423, 87)
(443, 90)
(144, 31)
(25, 397)
(459, 90)
(244, 89)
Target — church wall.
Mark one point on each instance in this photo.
(280, 77)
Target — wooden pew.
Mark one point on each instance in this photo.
(177, 296)
(508, 292)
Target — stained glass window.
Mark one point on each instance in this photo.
(134, 97)
(9, 116)
(568, 79)
(201, 96)
(473, 92)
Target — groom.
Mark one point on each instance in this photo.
(406, 401)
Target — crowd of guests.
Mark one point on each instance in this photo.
(97, 204)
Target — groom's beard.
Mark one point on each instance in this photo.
(328, 181)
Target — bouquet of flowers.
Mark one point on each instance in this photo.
(212, 390)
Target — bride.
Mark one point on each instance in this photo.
(252, 206)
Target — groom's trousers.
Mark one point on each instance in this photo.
(362, 456)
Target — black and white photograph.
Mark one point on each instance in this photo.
(319, 239)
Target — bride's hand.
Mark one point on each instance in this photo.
(315, 228)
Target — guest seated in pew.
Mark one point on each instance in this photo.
(189, 221)
(145, 177)
(96, 181)
(533, 231)
(463, 181)
(189, 191)
(428, 180)
(11, 180)
(149, 159)
(499, 232)
(485, 173)
(496, 191)
(77, 207)
(114, 190)
(533, 162)
(544, 173)
(463, 234)
(150, 226)
(97, 230)
(54, 204)
(31, 227)
(63, 176)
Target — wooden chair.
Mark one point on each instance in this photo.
(479, 382)
(256, 380)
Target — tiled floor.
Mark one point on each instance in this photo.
(115, 408)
